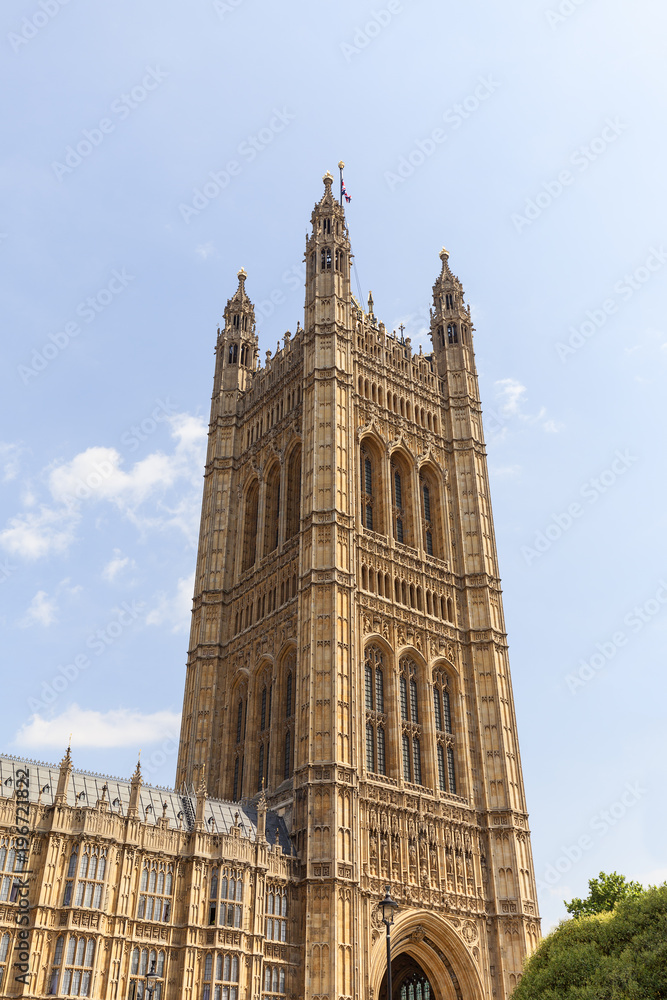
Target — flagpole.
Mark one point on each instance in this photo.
(340, 167)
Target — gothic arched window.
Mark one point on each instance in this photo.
(376, 719)
(444, 733)
(401, 500)
(250, 526)
(411, 726)
(293, 492)
(272, 510)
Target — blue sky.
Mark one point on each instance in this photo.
(526, 137)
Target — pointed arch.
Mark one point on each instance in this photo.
(272, 509)
(293, 492)
(431, 511)
(402, 501)
(371, 486)
(250, 525)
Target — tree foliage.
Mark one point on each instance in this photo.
(605, 892)
(614, 954)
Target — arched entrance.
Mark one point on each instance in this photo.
(426, 951)
(409, 981)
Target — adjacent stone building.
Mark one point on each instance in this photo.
(348, 717)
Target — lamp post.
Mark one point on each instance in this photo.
(151, 981)
(388, 907)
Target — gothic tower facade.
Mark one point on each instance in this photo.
(348, 656)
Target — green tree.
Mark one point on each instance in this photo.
(618, 954)
(604, 894)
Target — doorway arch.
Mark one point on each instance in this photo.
(409, 981)
(425, 944)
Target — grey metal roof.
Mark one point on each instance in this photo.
(86, 788)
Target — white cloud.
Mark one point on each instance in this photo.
(33, 535)
(510, 398)
(174, 611)
(116, 565)
(119, 727)
(9, 460)
(41, 611)
(205, 250)
(96, 475)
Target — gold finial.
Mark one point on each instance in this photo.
(242, 274)
(340, 164)
(328, 179)
(444, 254)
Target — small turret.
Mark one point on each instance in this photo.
(135, 788)
(451, 326)
(237, 341)
(328, 261)
(63, 777)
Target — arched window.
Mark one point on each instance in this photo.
(367, 491)
(430, 512)
(73, 966)
(293, 492)
(444, 733)
(250, 526)
(5, 941)
(233, 351)
(410, 716)
(272, 510)
(157, 879)
(376, 719)
(452, 334)
(401, 500)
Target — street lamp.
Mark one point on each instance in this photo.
(151, 981)
(388, 907)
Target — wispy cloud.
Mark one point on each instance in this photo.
(43, 610)
(171, 481)
(119, 727)
(116, 565)
(205, 250)
(510, 400)
(174, 610)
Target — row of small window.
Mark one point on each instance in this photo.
(265, 699)
(400, 515)
(372, 391)
(376, 760)
(11, 859)
(378, 583)
(142, 962)
(273, 415)
(257, 609)
(452, 334)
(272, 509)
(246, 352)
(221, 972)
(91, 869)
(263, 758)
(326, 258)
(71, 970)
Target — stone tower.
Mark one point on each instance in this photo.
(348, 655)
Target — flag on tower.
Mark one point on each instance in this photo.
(344, 191)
